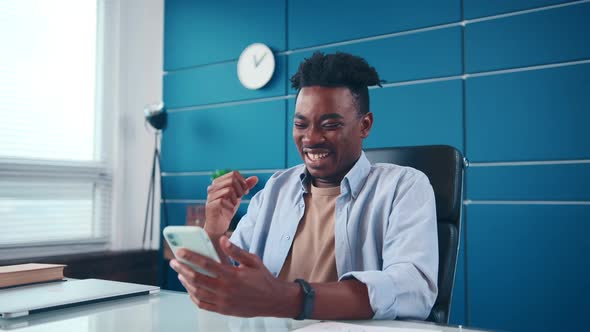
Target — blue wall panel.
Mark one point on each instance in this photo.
(186, 186)
(217, 83)
(248, 136)
(176, 212)
(528, 266)
(530, 115)
(530, 39)
(569, 182)
(203, 32)
(414, 56)
(195, 186)
(413, 114)
(479, 8)
(349, 20)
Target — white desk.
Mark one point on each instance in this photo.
(166, 311)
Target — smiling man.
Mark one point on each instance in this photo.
(333, 238)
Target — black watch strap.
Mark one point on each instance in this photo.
(308, 299)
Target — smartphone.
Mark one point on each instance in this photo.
(193, 238)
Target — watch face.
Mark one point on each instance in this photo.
(256, 66)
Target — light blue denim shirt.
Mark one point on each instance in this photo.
(385, 232)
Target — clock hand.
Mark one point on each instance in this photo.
(257, 62)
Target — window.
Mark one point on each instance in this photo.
(55, 169)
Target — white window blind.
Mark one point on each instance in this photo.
(55, 178)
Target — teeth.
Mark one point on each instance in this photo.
(317, 156)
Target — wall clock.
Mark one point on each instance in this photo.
(256, 66)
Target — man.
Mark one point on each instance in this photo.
(359, 240)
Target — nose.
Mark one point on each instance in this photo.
(313, 135)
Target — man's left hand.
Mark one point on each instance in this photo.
(246, 290)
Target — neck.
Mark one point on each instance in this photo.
(333, 181)
(326, 183)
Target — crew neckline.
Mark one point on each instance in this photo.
(329, 191)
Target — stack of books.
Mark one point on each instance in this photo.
(15, 275)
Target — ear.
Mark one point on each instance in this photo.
(366, 124)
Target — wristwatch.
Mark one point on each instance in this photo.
(308, 299)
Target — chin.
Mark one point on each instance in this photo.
(319, 173)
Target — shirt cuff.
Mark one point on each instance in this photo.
(381, 302)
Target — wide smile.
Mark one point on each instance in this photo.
(316, 157)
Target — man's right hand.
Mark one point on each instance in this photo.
(223, 199)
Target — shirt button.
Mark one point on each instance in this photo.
(287, 237)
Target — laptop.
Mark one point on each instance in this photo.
(24, 300)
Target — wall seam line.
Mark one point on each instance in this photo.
(529, 163)
(523, 202)
(524, 12)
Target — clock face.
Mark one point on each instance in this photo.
(256, 66)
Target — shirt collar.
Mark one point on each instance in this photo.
(304, 178)
(357, 176)
(353, 181)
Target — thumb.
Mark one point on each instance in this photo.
(251, 182)
(238, 254)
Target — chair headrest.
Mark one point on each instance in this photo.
(442, 164)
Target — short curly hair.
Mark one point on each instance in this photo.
(338, 70)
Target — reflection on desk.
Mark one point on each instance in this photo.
(166, 311)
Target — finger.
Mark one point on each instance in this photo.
(206, 263)
(201, 293)
(228, 192)
(203, 305)
(237, 182)
(251, 182)
(220, 202)
(225, 203)
(193, 277)
(239, 178)
(192, 285)
(239, 188)
(238, 254)
(187, 285)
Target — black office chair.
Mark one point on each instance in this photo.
(444, 167)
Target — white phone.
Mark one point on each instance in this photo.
(193, 238)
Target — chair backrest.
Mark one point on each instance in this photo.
(443, 165)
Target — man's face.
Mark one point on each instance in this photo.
(328, 132)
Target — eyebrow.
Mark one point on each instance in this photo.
(322, 118)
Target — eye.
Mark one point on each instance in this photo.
(332, 125)
(299, 125)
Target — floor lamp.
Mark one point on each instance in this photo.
(157, 118)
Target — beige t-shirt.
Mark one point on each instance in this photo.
(312, 253)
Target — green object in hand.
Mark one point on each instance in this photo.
(219, 172)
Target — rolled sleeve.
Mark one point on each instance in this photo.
(381, 302)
